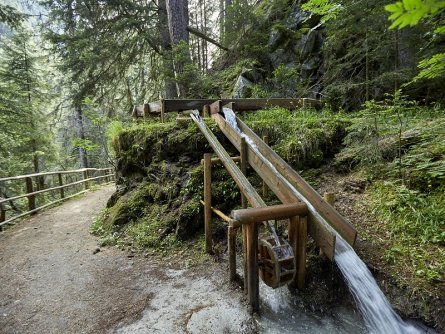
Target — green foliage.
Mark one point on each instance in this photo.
(411, 13)
(327, 9)
(416, 226)
(10, 16)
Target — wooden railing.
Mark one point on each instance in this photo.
(34, 185)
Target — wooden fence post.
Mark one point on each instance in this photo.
(253, 289)
(208, 201)
(2, 214)
(85, 178)
(231, 242)
(62, 190)
(31, 198)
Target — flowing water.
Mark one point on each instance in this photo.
(378, 315)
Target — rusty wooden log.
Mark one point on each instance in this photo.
(231, 242)
(208, 201)
(273, 212)
(243, 166)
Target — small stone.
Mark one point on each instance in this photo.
(96, 250)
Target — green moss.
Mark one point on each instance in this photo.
(305, 138)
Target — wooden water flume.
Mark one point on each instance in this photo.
(275, 260)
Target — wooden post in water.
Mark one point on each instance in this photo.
(231, 242)
(85, 178)
(208, 201)
(31, 198)
(265, 188)
(243, 165)
(253, 289)
(62, 190)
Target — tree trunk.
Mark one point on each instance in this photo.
(81, 135)
(166, 47)
(177, 14)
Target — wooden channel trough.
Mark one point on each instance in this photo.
(277, 261)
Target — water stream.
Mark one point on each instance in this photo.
(378, 315)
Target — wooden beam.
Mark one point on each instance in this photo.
(239, 104)
(218, 160)
(208, 201)
(62, 189)
(273, 212)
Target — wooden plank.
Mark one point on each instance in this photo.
(20, 177)
(208, 201)
(85, 180)
(280, 186)
(336, 221)
(265, 189)
(243, 166)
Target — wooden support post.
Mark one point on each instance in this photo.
(62, 190)
(265, 188)
(231, 242)
(253, 290)
(243, 166)
(208, 201)
(301, 251)
(162, 111)
(85, 178)
(31, 198)
(292, 237)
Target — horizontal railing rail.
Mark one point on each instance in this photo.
(105, 174)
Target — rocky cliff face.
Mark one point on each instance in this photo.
(292, 66)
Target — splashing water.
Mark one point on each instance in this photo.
(378, 314)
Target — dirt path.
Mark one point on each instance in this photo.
(53, 281)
